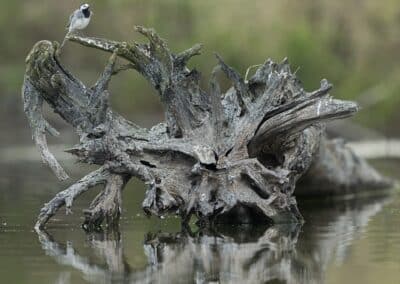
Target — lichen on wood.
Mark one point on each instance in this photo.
(233, 156)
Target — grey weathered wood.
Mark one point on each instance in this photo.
(340, 171)
(217, 154)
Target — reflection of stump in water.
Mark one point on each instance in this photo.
(230, 254)
(242, 150)
(243, 254)
(342, 223)
(240, 256)
(109, 265)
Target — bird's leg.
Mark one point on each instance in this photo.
(78, 33)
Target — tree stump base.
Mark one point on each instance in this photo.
(225, 157)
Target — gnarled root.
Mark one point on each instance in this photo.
(67, 196)
(107, 205)
(233, 156)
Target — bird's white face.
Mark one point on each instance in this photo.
(84, 7)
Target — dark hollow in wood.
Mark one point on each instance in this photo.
(233, 156)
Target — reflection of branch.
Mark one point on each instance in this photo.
(226, 254)
(245, 254)
(348, 225)
(107, 246)
(237, 255)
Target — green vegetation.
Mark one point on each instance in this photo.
(355, 44)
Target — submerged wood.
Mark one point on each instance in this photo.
(233, 156)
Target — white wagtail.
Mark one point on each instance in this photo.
(78, 20)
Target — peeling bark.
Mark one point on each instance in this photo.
(217, 155)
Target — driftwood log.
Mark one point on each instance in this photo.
(233, 156)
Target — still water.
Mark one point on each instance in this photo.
(343, 241)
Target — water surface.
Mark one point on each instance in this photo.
(343, 241)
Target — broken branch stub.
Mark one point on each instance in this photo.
(233, 156)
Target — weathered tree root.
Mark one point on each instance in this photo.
(107, 205)
(217, 156)
(66, 197)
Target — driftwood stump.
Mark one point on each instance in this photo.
(225, 157)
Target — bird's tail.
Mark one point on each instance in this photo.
(65, 40)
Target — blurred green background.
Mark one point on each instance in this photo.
(354, 44)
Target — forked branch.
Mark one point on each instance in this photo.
(66, 197)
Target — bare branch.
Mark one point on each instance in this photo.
(67, 196)
(33, 108)
(238, 83)
(102, 83)
(123, 68)
(183, 57)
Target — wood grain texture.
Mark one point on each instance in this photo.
(217, 154)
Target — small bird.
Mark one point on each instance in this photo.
(78, 20)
